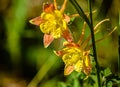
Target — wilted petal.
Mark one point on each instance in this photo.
(47, 40)
(37, 21)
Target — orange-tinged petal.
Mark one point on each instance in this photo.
(67, 35)
(66, 18)
(47, 40)
(72, 44)
(48, 8)
(59, 53)
(68, 69)
(37, 21)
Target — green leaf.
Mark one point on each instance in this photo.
(107, 72)
(61, 84)
(109, 84)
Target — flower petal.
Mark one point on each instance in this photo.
(87, 65)
(71, 44)
(37, 21)
(67, 35)
(68, 69)
(48, 8)
(47, 40)
(66, 18)
(59, 53)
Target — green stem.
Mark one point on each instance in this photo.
(119, 47)
(80, 11)
(90, 24)
(93, 44)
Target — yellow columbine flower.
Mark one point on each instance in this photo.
(76, 56)
(53, 23)
(75, 59)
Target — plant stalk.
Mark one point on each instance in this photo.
(90, 24)
(93, 44)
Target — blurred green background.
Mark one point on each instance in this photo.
(23, 59)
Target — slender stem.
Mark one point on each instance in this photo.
(90, 24)
(94, 46)
(119, 47)
(80, 11)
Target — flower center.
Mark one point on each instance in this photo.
(72, 55)
(54, 25)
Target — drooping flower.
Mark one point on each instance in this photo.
(53, 23)
(76, 56)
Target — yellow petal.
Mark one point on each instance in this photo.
(79, 66)
(54, 25)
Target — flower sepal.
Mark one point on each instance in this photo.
(47, 40)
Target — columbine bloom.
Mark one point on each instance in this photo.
(53, 23)
(76, 56)
(75, 59)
